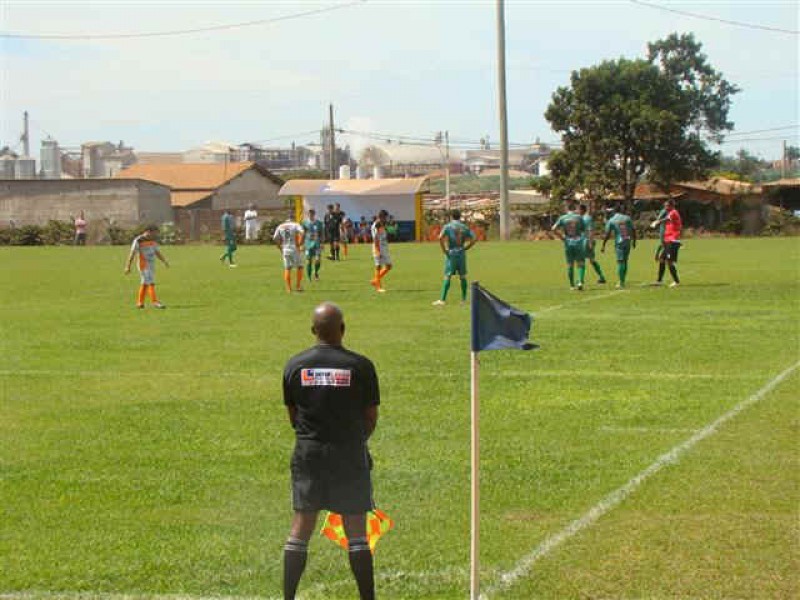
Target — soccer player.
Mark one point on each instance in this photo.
(380, 251)
(671, 226)
(288, 237)
(455, 239)
(624, 239)
(313, 229)
(229, 230)
(146, 247)
(333, 223)
(332, 396)
(588, 224)
(570, 228)
(346, 232)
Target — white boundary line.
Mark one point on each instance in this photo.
(548, 309)
(616, 497)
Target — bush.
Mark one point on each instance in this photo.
(28, 235)
(58, 232)
(781, 222)
(6, 235)
(119, 236)
(267, 230)
(170, 234)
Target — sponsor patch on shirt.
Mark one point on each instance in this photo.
(325, 377)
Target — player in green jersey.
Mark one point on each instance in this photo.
(229, 230)
(571, 229)
(621, 225)
(455, 239)
(588, 223)
(313, 229)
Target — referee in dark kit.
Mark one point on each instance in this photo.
(332, 397)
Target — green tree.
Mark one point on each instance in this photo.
(623, 119)
(792, 152)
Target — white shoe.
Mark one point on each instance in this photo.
(233, 266)
(657, 283)
(674, 284)
(438, 302)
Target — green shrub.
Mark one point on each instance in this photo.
(170, 234)
(58, 232)
(267, 230)
(119, 236)
(28, 235)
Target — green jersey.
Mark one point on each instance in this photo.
(227, 225)
(573, 226)
(313, 231)
(457, 234)
(663, 225)
(622, 226)
(588, 225)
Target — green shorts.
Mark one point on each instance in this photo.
(574, 251)
(313, 251)
(589, 250)
(455, 264)
(623, 250)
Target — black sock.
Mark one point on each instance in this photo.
(674, 272)
(295, 553)
(361, 565)
(661, 267)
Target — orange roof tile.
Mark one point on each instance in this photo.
(187, 176)
(187, 198)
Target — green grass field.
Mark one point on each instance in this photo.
(145, 453)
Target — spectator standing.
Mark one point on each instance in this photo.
(80, 224)
(332, 398)
(251, 223)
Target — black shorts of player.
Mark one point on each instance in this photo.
(333, 236)
(333, 477)
(671, 251)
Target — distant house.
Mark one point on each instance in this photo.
(714, 202)
(784, 193)
(215, 186)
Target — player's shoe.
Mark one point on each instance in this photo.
(380, 290)
(438, 303)
(601, 281)
(580, 286)
(674, 284)
(572, 288)
(232, 266)
(619, 286)
(140, 306)
(375, 283)
(657, 283)
(158, 305)
(316, 277)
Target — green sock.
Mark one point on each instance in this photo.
(621, 273)
(597, 269)
(316, 269)
(581, 273)
(463, 289)
(308, 269)
(571, 275)
(445, 289)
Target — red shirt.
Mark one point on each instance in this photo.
(672, 229)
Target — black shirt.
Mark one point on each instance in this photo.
(331, 387)
(332, 221)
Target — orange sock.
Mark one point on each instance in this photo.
(384, 271)
(287, 278)
(140, 296)
(299, 277)
(152, 290)
(345, 251)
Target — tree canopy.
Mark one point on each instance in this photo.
(622, 119)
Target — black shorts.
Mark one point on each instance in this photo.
(671, 251)
(331, 477)
(333, 236)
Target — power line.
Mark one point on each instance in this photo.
(795, 126)
(212, 28)
(718, 20)
(757, 139)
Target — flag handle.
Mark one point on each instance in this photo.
(474, 588)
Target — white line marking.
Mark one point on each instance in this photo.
(616, 497)
(582, 300)
(607, 429)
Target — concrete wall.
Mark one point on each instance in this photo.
(126, 202)
(251, 187)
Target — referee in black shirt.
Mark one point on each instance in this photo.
(332, 397)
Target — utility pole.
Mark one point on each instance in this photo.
(332, 136)
(25, 137)
(447, 169)
(501, 97)
(783, 161)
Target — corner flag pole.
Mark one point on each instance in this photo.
(474, 585)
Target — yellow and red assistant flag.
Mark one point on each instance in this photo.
(378, 523)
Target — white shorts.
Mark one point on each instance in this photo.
(383, 259)
(292, 260)
(147, 276)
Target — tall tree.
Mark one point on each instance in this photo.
(624, 118)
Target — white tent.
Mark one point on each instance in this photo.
(401, 198)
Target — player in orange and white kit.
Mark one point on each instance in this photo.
(146, 247)
(380, 251)
(288, 237)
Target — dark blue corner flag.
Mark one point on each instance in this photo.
(496, 324)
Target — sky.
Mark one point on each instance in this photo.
(266, 71)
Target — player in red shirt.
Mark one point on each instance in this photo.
(673, 224)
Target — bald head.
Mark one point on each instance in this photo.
(328, 323)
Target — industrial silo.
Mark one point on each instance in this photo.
(7, 167)
(50, 155)
(26, 168)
